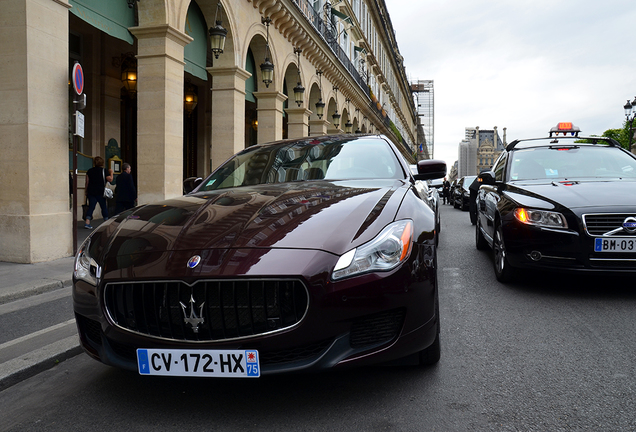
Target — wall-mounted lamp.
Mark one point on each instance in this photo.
(348, 124)
(190, 98)
(267, 67)
(336, 115)
(320, 105)
(217, 33)
(129, 73)
(299, 90)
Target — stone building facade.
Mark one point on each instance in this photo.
(158, 97)
(478, 150)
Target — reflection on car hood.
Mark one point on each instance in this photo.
(329, 216)
(575, 194)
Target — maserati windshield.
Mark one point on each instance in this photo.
(311, 159)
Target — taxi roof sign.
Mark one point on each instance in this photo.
(565, 128)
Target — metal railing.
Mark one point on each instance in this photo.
(330, 36)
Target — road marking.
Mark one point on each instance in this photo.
(37, 333)
(34, 300)
(451, 277)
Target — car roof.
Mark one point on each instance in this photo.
(566, 140)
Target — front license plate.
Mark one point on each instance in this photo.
(202, 363)
(614, 244)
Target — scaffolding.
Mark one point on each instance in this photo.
(424, 95)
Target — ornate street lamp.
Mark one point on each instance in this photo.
(299, 90)
(217, 33)
(267, 67)
(336, 115)
(129, 74)
(630, 114)
(348, 124)
(320, 105)
(190, 99)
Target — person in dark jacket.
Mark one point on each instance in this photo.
(474, 190)
(96, 179)
(446, 191)
(126, 193)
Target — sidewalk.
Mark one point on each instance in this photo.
(23, 280)
(19, 281)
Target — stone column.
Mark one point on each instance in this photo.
(331, 129)
(318, 127)
(35, 218)
(160, 111)
(270, 115)
(298, 122)
(228, 112)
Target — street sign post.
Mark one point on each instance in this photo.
(77, 77)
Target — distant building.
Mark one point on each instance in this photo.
(478, 150)
(452, 174)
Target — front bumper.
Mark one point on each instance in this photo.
(561, 250)
(367, 319)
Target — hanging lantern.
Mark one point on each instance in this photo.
(336, 119)
(129, 75)
(190, 99)
(267, 67)
(320, 108)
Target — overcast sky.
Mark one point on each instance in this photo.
(520, 64)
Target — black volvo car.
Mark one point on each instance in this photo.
(564, 203)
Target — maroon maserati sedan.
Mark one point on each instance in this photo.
(297, 255)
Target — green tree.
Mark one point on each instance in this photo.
(620, 135)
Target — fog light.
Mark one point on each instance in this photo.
(535, 255)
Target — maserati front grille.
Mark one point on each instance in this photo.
(209, 310)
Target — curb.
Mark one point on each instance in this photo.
(24, 290)
(37, 361)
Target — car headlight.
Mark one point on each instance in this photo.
(86, 268)
(540, 218)
(385, 252)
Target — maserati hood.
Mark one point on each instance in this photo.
(327, 216)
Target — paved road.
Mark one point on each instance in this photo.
(544, 354)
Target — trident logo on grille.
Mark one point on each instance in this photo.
(193, 319)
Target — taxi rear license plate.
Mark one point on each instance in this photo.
(201, 363)
(618, 244)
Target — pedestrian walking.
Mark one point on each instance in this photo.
(96, 179)
(446, 191)
(125, 192)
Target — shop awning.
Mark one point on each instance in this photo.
(195, 53)
(340, 15)
(111, 17)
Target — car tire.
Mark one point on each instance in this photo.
(503, 270)
(480, 240)
(431, 355)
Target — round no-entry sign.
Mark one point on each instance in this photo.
(78, 79)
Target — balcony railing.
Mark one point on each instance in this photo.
(330, 36)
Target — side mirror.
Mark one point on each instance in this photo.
(191, 184)
(487, 178)
(430, 169)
